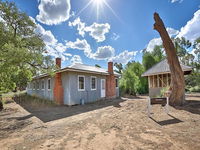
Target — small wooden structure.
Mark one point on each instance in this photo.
(162, 101)
(159, 77)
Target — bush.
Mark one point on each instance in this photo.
(195, 89)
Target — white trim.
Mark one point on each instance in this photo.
(103, 91)
(83, 82)
(91, 83)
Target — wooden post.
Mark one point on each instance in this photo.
(149, 82)
(167, 80)
(153, 81)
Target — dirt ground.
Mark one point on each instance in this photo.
(119, 124)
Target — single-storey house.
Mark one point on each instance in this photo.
(76, 84)
(159, 77)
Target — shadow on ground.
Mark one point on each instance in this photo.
(51, 113)
(174, 120)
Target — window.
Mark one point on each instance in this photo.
(93, 83)
(33, 85)
(49, 84)
(116, 83)
(42, 85)
(37, 85)
(81, 83)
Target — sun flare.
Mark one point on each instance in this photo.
(98, 2)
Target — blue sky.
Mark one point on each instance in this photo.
(117, 32)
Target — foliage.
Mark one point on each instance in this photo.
(119, 68)
(195, 89)
(21, 49)
(163, 91)
(151, 58)
(96, 65)
(131, 81)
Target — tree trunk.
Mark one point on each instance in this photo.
(177, 86)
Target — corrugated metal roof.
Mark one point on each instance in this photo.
(162, 67)
(82, 68)
(88, 68)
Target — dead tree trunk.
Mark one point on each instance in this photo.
(177, 86)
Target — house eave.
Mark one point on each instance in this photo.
(158, 73)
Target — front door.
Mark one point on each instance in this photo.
(103, 88)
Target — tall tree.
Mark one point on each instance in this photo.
(131, 81)
(151, 58)
(21, 49)
(177, 96)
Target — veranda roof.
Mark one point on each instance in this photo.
(163, 68)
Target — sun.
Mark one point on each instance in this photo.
(98, 2)
(99, 6)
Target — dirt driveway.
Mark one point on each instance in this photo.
(120, 124)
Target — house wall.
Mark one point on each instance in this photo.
(154, 92)
(87, 95)
(70, 86)
(43, 93)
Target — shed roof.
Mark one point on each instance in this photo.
(81, 68)
(162, 68)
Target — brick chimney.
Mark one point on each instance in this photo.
(58, 62)
(110, 82)
(110, 67)
(58, 89)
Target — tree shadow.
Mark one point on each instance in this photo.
(174, 120)
(192, 106)
(51, 113)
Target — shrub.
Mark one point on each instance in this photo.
(195, 89)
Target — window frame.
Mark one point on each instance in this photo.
(34, 85)
(83, 83)
(49, 79)
(37, 87)
(93, 77)
(43, 88)
(116, 83)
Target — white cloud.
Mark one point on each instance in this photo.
(124, 57)
(104, 53)
(46, 35)
(52, 12)
(53, 47)
(76, 59)
(172, 31)
(96, 31)
(115, 37)
(80, 45)
(194, 52)
(153, 43)
(80, 26)
(191, 30)
(158, 41)
(173, 1)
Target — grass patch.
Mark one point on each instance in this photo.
(32, 100)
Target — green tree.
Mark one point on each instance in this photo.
(151, 58)
(96, 65)
(131, 81)
(119, 68)
(21, 49)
